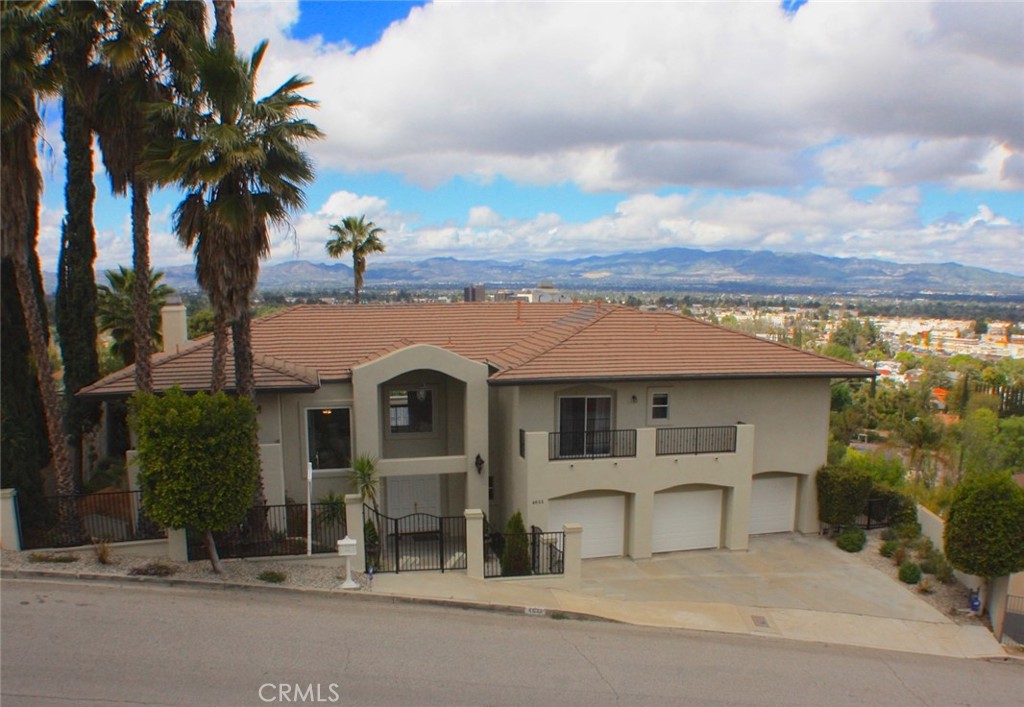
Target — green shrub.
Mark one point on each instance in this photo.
(889, 547)
(899, 555)
(58, 557)
(985, 527)
(842, 494)
(153, 569)
(891, 505)
(890, 534)
(944, 572)
(910, 572)
(515, 560)
(851, 540)
(923, 547)
(272, 576)
(909, 531)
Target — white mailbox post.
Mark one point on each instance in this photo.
(347, 549)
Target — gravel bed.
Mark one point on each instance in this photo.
(297, 573)
(950, 599)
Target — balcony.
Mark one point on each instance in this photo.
(622, 443)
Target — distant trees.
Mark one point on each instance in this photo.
(360, 237)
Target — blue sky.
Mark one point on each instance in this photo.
(514, 130)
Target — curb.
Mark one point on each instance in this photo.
(362, 595)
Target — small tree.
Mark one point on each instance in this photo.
(984, 533)
(515, 560)
(842, 494)
(198, 458)
(366, 483)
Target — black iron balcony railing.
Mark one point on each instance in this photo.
(589, 445)
(696, 440)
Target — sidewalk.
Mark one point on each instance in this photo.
(789, 586)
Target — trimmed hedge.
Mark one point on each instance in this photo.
(842, 494)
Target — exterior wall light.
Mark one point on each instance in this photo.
(479, 463)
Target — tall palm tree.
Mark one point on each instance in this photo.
(239, 161)
(23, 78)
(116, 307)
(359, 236)
(145, 58)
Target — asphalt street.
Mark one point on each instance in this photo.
(82, 643)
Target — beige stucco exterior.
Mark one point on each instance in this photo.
(781, 429)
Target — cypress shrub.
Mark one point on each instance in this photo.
(515, 560)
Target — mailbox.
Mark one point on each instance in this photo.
(347, 547)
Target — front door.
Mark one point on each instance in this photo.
(414, 494)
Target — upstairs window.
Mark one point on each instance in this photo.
(659, 406)
(411, 410)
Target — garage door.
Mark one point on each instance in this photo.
(773, 505)
(603, 519)
(687, 520)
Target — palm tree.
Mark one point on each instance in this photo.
(360, 236)
(239, 163)
(145, 57)
(23, 79)
(115, 312)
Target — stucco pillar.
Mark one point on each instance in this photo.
(354, 529)
(177, 544)
(807, 502)
(131, 466)
(475, 543)
(737, 498)
(10, 532)
(572, 560)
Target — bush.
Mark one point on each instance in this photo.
(894, 506)
(910, 572)
(890, 534)
(272, 576)
(515, 560)
(926, 586)
(944, 572)
(153, 569)
(102, 550)
(985, 528)
(899, 555)
(889, 547)
(923, 547)
(842, 494)
(909, 531)
(851, 540)
(58, 557)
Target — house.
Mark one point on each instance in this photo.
(655, 431)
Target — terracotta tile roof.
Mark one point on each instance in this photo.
(300, 347)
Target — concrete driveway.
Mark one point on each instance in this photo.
(787, 571)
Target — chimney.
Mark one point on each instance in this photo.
(174, 324)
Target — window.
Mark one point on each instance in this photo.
(584, 425)
(330, 438)
(411, 410)
(659, 406)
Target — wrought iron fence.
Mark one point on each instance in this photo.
(277, 530)
(695, 440)
(419, 541)
(66, 521)
(541, 553)
(590, 445)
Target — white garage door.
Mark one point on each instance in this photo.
(687, 520)
(773, 505)
(603, 519)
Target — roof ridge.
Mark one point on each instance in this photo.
(304, 373)
(558, 331)
(390, 347)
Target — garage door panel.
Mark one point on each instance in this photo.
(603, 519)
(687, 520)
(773, 505)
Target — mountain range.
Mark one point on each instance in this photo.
(666, 269)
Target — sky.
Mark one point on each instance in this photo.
(521, 130)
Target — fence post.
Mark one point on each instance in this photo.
(572, 567)
(354, 529)
(474, 543)
(10, 526)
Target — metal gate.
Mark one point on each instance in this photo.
(1013, 620)
(419, 541)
